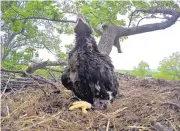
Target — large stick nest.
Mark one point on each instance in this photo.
(144, 104)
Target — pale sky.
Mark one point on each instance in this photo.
(150, 47)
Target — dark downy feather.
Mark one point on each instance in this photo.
(90, 74)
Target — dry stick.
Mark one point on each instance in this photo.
(15, 81)
(31, 76)
(111, 115)
(48, 81)
(5, 87)
(117, 111)
(54, 70)
(35, 124)
(157, 126)
(172, 105)
(7, 110)
(139, 127)
(51, 74)
(13, 111)
(172, 125)
(107, 127)
(17, 78)
(40, 87)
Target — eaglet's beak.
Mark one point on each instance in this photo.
(82, 27)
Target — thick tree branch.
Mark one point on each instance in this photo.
(162, 11)
(38, 18)
(112, 32)
(149, 27)
(155, 11)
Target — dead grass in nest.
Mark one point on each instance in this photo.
(139, 108)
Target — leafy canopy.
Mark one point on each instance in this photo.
(141, 70)
(171, 65)
(36, 24)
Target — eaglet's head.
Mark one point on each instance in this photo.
(82, 27)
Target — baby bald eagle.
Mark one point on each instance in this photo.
(89, 74)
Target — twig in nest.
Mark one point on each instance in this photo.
(54, 70)
(107, 127)
(38, 85)
(51, 74)
(139, 127)
(35, 124)
(6, 85)
(18, 108)
(117, 111)
(7, 110)
(111, 115)
(157, 126)
(172, 125)
(172, 105)
(42, 79)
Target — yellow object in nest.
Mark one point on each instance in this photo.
(67, 91)
(81, 104)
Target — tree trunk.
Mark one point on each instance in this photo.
(107, 40)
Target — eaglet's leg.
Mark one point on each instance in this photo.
(103, 103)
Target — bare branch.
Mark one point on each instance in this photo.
(54, 70)
(162, 11)
(44, 80)
(165, 18)
(150, 27)
(141, 20)
(52, 75)
(31, 69)
(56, 63)
(155, 11)
(38, 18)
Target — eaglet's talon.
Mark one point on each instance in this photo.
(81, 104)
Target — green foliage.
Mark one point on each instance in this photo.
(62, 56)
(104, 12)
(27, 31)
(156, 75)
(124, 71)
(162, 75)
(171, 65)
(42, 72)
(17, 60)
(141, 70)
(45, 73)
